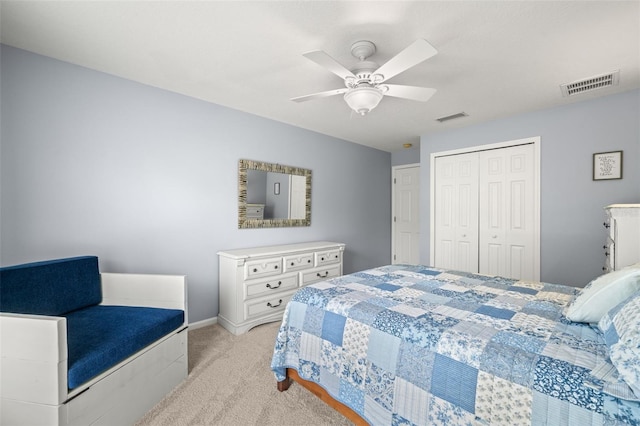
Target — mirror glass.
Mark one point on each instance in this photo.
(272, 195)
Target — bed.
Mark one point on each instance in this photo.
(410, 344)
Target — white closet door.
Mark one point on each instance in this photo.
(456, 212)
(507, 207)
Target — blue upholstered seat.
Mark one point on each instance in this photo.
(101, 336)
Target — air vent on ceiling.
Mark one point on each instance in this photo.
(591, 83)
(452, 117)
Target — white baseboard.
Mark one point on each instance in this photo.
(203, 323)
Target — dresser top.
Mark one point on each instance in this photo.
(623, 206)
(244, 253)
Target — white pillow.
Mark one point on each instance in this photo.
(604, 293)
(621, 330)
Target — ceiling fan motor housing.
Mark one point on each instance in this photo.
(363, 72)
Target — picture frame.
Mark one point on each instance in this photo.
(607, 165)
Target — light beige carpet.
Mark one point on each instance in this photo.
(230, 383)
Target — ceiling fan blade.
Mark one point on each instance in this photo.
(324, 60)
(420, 50)
(422, 94)
(320, 95)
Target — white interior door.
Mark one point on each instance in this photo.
(456, 212)
(507, 212)
(406, 220)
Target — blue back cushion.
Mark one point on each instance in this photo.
(52, 287)
(101, 336)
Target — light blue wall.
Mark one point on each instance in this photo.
(572, 203)
(147, 179)
(406, 156)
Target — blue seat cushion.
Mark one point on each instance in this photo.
(99, 337)
(51, 287)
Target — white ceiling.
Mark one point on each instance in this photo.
(495, 58)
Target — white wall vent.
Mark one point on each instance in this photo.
(591, 83)
(452, 117)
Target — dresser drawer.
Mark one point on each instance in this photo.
(265, 306)
(263, 268)
(297, 262)
(320, 274)
(328, 257)
(272, 286)
(255, 211)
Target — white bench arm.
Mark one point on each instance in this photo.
(154, 291)
(33, 363)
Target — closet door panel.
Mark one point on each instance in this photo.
(456, 223)
(507, 212)
(491, 216)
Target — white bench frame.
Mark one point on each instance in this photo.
(33, 364)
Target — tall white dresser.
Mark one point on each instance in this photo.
(623, 241)
(257, 283)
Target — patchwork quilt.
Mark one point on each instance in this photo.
(409, 344)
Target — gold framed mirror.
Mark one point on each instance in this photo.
(272, 195)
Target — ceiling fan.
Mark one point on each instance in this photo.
(365, 82)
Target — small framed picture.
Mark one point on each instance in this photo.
(607, 165)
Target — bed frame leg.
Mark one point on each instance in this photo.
(284, 385)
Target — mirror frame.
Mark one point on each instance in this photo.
(243, 222)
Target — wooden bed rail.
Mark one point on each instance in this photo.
(319, 391)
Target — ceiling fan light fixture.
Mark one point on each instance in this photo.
(363, 99)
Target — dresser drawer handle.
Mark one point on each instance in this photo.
(309, 261)
(274, 306)
(255, 269)
(326, 274)
(273, 288)
(292, 263)
(322, 258)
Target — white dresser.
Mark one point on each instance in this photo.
(623, 242)
(257, 283)
(255, 211)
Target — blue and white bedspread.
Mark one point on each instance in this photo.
(416, 345)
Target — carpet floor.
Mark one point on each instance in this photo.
(230, 383)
